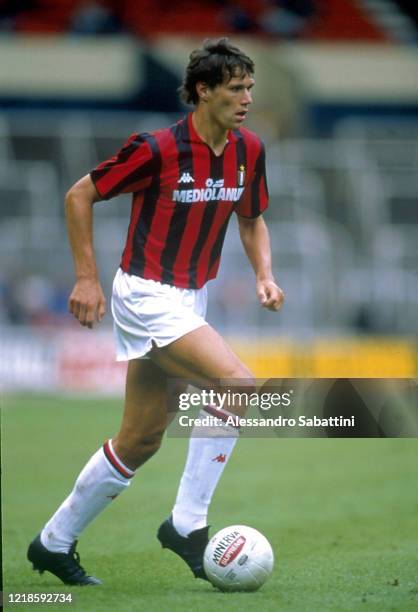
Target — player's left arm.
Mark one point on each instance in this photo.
(255, 238)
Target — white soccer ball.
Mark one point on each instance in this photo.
(238, 558)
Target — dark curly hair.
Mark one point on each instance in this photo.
(217, 59)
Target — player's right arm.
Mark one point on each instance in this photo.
(86, 302)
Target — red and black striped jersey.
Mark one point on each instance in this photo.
(183, 198)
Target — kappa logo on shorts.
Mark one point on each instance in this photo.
(186, 177)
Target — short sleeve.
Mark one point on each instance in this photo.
(254, 200)
(130, 170)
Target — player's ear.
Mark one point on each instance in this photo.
(202, 90)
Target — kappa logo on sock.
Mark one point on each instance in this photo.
(220, 458)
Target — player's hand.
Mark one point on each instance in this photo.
(87, 302)
(270, 295)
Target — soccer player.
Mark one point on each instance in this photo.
(186, 181)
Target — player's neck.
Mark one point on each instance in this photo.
(214, 135)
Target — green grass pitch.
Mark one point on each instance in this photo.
(341, 516)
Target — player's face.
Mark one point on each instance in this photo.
(228, 103)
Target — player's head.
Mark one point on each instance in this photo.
(215, 63)
(219, 75)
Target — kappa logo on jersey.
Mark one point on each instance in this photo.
(213, 192)
(186, 177)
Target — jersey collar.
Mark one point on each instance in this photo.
(189, 134)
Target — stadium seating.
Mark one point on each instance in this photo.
(327, 20)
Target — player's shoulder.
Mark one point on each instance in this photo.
(136, 140)
(163, 137)
(152, 140)
(250, 138)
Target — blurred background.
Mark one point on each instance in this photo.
(336, 102)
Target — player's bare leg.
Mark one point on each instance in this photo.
(105, 475)
(204, 354)
(204, 357)
(201, 356)
(145, 414)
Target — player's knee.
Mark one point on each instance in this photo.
(148, 446)
(242, 378)
(242, 383)
(240, 372)
(136, 449)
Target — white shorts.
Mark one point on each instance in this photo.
(147, 313)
